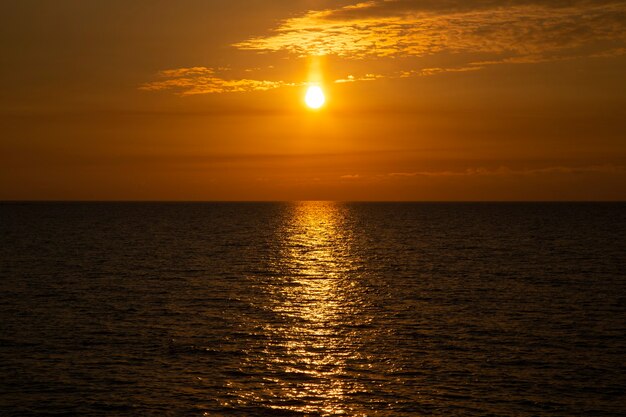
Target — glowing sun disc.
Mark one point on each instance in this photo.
(314, 97)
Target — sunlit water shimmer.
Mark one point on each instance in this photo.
(255, 309)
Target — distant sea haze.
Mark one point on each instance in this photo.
(313, 309)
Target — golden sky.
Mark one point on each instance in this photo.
(204, 100)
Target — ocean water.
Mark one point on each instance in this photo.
(312, 309)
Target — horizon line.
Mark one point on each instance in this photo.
(305, 200)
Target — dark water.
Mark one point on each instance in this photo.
(313, 309)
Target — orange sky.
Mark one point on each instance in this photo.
(203, 100)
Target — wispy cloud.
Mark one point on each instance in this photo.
(424, 72)
(606, 169)
(366, 77)
(477, 33)
(393, 28)
(202, 80)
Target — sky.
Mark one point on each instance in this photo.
(426, 100)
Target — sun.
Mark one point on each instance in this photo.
(314, 97)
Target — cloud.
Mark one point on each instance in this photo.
(474, 33)
(397, 28)
(603, 169)
(366, 77)
(203, 80)
(438, 70)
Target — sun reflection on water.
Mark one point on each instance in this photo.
(314, 339)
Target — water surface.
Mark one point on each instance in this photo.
(315, 308)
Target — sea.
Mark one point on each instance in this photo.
(312, 309)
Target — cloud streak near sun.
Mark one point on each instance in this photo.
(202, 80)
(477, 33)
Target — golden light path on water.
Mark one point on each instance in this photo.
(316, 249)
(313, 354)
